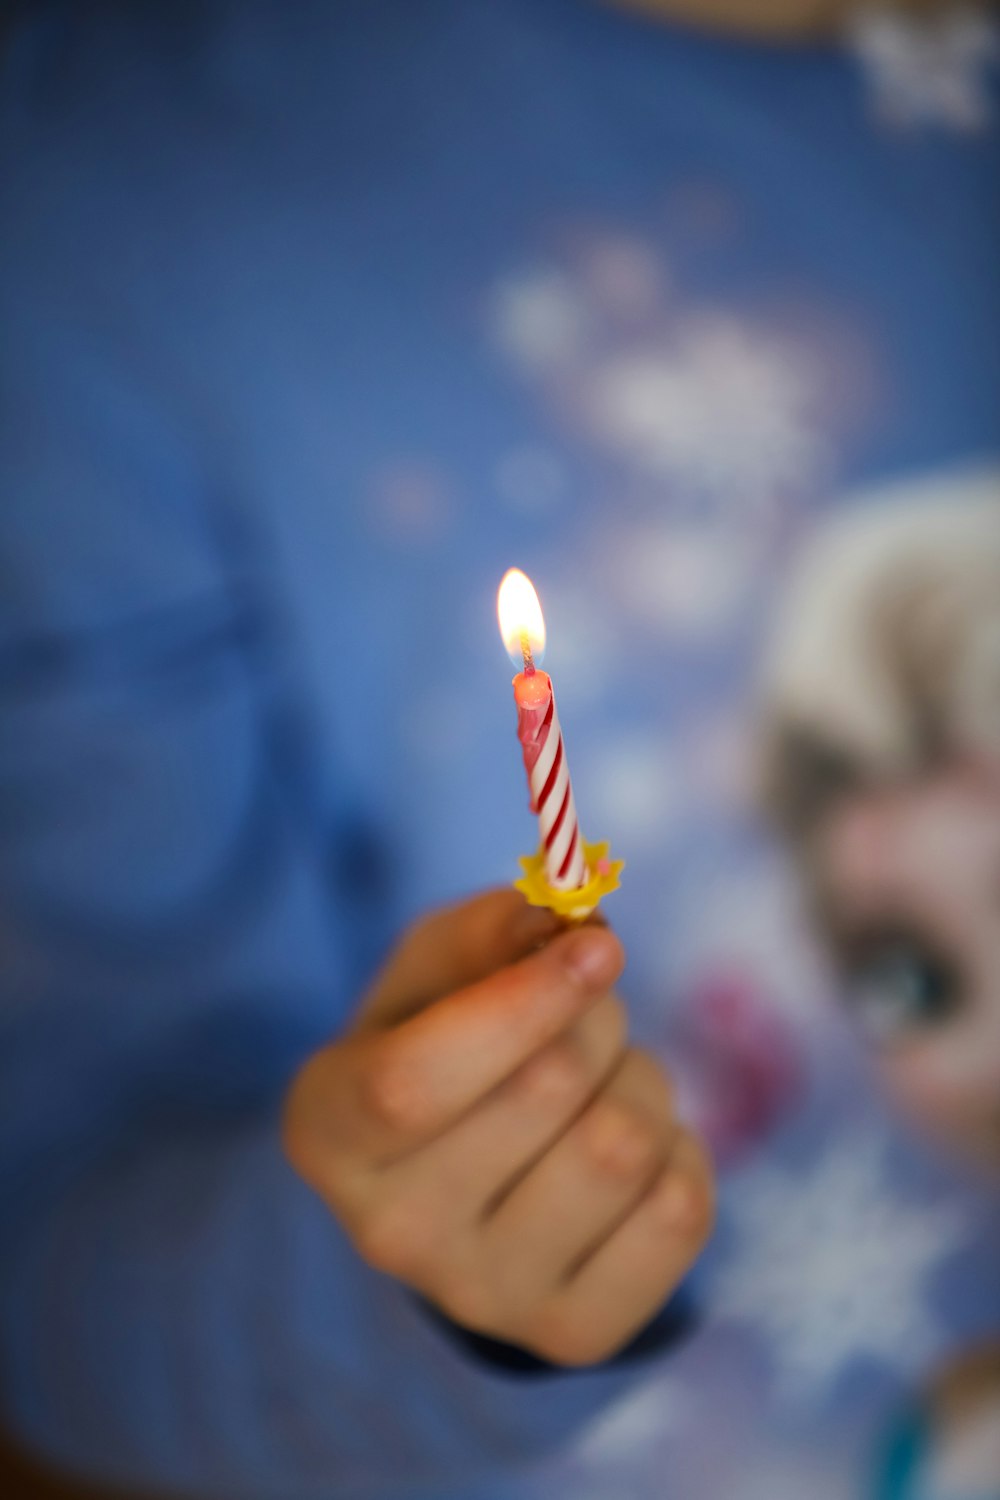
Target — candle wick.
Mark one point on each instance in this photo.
(529, 660)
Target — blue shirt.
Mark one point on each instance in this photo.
(318, 317)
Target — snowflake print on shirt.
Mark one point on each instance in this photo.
(832, 1266)
(928, 70)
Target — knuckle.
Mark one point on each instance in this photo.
(564, 1339)
(467, 1301)
(653, 1078)
(620, 1139)
(554, 1076)
(392, 1096)
(394, 1237)
(600, 1036)
(612, 1019)
(687, 1203)
(703, 1206)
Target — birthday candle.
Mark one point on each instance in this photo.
(523, 629)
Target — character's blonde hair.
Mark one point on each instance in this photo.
(884, 655)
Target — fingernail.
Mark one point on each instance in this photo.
(593, 956)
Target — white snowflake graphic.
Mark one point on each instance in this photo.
(928, 70)
(635, 1424)
(620, 1452)
(703, 424)
(718, 407)
(713, 422)
(831, 1266)
(720, 410)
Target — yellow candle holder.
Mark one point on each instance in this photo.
(577, 904)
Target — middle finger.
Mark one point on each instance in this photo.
(473, 1164)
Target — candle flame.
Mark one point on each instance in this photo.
(520, 614)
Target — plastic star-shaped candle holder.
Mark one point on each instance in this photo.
(602, 877)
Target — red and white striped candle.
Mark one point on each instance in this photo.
(523, 629)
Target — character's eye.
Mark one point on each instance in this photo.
(898, 984)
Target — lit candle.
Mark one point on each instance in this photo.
(566, 874)
(523, 629)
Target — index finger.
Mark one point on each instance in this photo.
(379, 1094)
(452, 949)
(435, 1066)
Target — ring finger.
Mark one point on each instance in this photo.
(584, 1187)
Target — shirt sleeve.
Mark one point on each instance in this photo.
(177, 1309)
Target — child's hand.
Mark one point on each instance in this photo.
(485, 1135)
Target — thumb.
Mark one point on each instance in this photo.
(453, 948)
